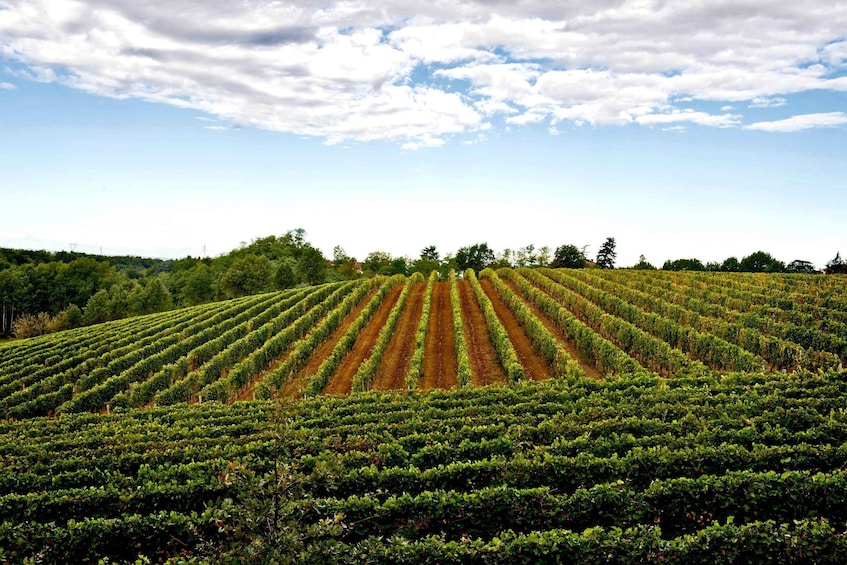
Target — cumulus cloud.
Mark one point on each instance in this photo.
(802, 122)
(420, 73)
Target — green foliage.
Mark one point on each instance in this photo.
(284, 276)
(200, 285)
(463, 362)
(761, 262)
(475, 257)
(312, 266)
(643, 264)
(413, 376)
(506, 353)
(569, 257)
(247, 275)
(607, 254)
(684, 265)
(366, 372)
(98, 308)
(745, 468)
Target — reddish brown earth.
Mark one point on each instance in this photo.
(439, 362)
(485, 369)
(395, 361)
(246, 392)
(534, 366)
(589, 369)
(638, 358)
(294, 388)
(342, 381)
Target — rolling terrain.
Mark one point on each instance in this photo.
(634, 416)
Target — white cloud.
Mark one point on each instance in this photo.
(700, 118)
(763, 102)
(802, 122)
(7, 86)
(420, 72)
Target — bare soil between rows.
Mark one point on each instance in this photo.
(439, 368)
(394, 366)
(535, 367)
(294, 387)
(485, 369)
(342, 381)
(587, 368)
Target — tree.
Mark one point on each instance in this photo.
(684, 265)
(476, 257)
(312, 265)
(569, 257)
(98, 308)
(800, 266)
(399, 266)
(731, 265)
(75, 318)
(428, 262)
(285, 277)
(836, 265)
(543, 257)
(199, 285)
(248, 275)
(643, 264)
(607, 255)
(760, 262)
(429, 253)
(377, 263)
(156, 297)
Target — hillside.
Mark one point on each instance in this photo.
(638, 469)
(634, 416)
(399, 333)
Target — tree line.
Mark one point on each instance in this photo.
(42, 292)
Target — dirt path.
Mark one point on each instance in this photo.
(394, 366)
(534, 366)
(439, 368)
(485, 369)
(589, 369)
(294, 387)
(342, 381)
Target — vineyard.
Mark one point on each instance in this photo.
(637, 416)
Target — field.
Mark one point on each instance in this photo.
(635, 416)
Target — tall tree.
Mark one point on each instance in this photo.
(761, 262)
(836, 265)
(248, 275)
(607, 254)
(476, 257)
(429, 253)
(568, 257)
(312, 265)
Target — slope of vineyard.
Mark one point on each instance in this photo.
(632, 469)
(679, 417)
(503, 327)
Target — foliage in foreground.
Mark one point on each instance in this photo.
(740, 468)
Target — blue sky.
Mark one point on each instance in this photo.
(708, 131)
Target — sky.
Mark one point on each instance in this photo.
(682, 129)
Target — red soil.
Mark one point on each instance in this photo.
(342, 381)
(439, 368)
(535, 367)
(485, 369)
(294, 388)
(589, 369)
(394, 366)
